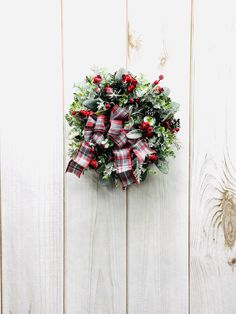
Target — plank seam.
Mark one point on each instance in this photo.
(190, 145)
(126, 193)
(1, 272)
(63, 150)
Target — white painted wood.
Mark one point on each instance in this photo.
(95, 217)
(31, 157)
(213, 201)
(95, 220)
(158, 210)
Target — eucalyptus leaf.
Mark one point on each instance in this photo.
(166, 91)
(167, 115)
(134, 134)
(156, 106)
(119, 74)
(174, 107)
(91, 103)
(163, 166)
(129, 123)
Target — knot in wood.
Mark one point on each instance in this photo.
(228, 206)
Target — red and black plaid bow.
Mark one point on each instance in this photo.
(94, 132)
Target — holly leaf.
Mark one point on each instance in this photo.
(134, 134)
(163, 166)
(91, 104)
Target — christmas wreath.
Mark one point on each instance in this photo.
(121, 124)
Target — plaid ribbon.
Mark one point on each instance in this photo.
(99, 129)
(123, 165)
(94, 130)
(81, 160)
(142, 150)
(88, 131)
(116, 132)
(118, 113)
(73, 167)
(100, 124)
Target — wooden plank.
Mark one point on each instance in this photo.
(213, 201)
(31, 157)
(158, 210)
(95, 222)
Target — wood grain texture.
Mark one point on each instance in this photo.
(95, 220)
(31, 157)
(158, 210)
(213, 200)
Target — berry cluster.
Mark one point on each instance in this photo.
(148, 122)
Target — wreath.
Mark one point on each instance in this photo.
(121, 125)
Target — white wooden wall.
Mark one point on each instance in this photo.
(71, 246)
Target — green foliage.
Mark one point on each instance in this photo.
(163, 166)
(134, 134)
(148, 103)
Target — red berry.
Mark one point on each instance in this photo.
(149, 129)
(94, 163)
(73, 113)
(107, 105)
(97, 79)
(97, 90)
(126, 78)
(153, 157)
(85, 112)
(145, 125)
(155, 82)
(130, 88)
(108, 90)
(131, 100)
(137, 100)
(167, 124)
(159, 89)
(149, 134)
(161, 77)
(134, 81)
(176, 130)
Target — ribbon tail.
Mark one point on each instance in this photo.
(123, 165)
(81, 160)
(75, 168)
